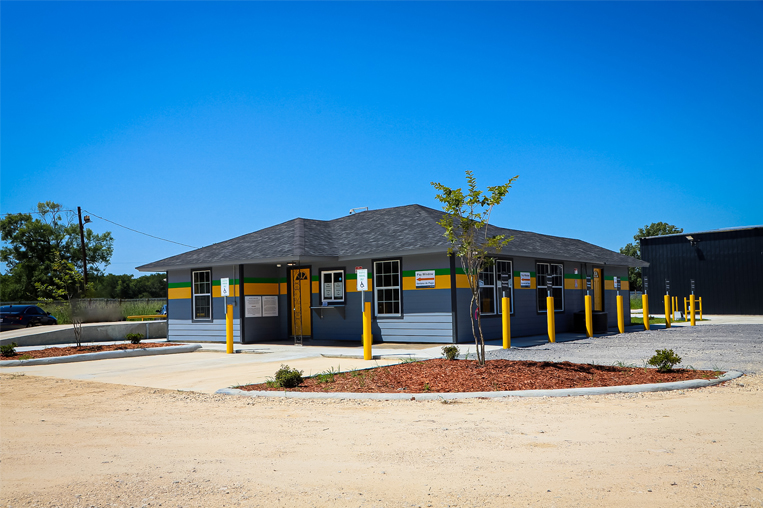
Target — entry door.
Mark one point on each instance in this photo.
(598, 280)
(300, 301)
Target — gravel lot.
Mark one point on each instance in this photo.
(717, 347)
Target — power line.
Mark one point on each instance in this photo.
(140, 232)
(112, 222)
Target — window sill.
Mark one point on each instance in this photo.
(337, 308)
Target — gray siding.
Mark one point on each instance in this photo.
(212, 331)
(424, 327)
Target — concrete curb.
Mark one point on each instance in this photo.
(567, 392)
(103, 355)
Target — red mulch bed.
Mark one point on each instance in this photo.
(439, 376)
(94, 348)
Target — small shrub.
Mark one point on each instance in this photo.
(134, 338)
(25, 357)
(8, 349)
(427, 387)
(327, 376)
(664, 360)
(450, 352)
(287, 377)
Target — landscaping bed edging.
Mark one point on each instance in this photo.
(564, 392)
(102, 355)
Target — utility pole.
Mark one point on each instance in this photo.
(82, 243)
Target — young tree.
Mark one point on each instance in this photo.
(634, 249)
(466, 222)
(66, 282)
(32, 241)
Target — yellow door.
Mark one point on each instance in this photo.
(300, 301)
(598, 301)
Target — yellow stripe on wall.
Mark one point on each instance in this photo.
(179, 293)
(216, 291)
(316, 287)
(518, 283)
(440, 282)
(570, 284)
(609, 284)
(351, 286)
(625, 285)
(261, 288)
(283, 288)
(461, 281)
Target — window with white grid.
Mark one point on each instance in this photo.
(387, 287)
(556, 272)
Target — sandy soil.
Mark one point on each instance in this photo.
(83, 444)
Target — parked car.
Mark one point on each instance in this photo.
(13, 317)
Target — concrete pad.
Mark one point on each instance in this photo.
(200, 371)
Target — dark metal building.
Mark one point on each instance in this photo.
(726, 265)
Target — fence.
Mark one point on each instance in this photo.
(97, 310)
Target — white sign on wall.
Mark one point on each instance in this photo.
(524, 280)
(269, 306)
(225, 287)
(425, 279)
(253, 306)
(362, 281)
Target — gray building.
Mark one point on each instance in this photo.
(298, 279)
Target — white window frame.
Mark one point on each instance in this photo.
(333, 298)
(378, 288)
(499, 288)
(543, 287)
(482, 285)
(195, 294)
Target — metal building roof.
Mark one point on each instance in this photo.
(410, 229)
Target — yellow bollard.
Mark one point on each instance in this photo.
(229, 330)
(674, 307)
(700, 308)
(686, 311)
(506, 310)
(620, 315)
(667, 311)
(588, 316)
(691, 309)
(645, 309)
(551, 322)
(367, 338)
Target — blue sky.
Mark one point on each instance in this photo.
(200, 121)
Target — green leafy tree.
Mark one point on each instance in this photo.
(31, 242)
(127, 287)
(466, 222)
(634, 249)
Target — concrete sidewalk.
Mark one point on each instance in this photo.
(210, 369)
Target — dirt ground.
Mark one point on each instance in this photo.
(75, 443)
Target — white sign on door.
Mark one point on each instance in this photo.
(425, 279)
(362, 281)
(225, 287)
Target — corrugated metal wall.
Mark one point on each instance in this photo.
(727, 267)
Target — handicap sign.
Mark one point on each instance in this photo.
(362, 280)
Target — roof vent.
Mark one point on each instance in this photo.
(358, 209)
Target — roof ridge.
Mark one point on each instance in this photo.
(299, 236)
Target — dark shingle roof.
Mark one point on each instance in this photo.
(390, 231)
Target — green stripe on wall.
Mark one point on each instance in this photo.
(172, 285)
(354, 276)
(517, 273)
(316, 278)
(261, 280)
(231, 282)
(572, 276)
